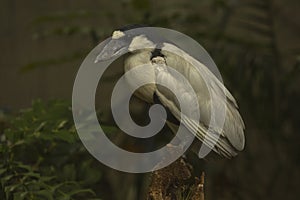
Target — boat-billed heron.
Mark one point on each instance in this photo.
(230, 139)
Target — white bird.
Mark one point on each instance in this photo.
(230, 139)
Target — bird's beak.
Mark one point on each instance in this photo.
(112, 49)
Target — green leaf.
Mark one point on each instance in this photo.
(40, 127)
(7, 178)
(64, 135)
(82, 191)
(2, 171)
(44, 193)
(12, 188)
(62, 124)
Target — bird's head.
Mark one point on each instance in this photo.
(123, 40)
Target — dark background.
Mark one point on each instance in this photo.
(255, 44)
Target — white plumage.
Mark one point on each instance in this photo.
(231, 137)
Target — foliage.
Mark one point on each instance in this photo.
(38, 150)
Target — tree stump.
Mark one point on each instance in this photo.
(174, 182)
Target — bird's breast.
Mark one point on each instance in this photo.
(146, 75)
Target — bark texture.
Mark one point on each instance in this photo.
(175, 182)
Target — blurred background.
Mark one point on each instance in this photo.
(255, 44)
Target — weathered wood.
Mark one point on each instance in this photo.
(174, 181)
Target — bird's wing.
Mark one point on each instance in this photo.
(232, 134)
(169, 100)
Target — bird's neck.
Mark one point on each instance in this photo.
(136, 59)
